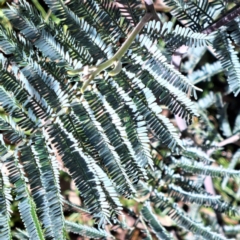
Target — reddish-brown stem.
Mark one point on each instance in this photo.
(225, 142)
(224, 20)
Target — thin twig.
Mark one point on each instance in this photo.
(224, 20)
(159, 6)
(149, 15)
(225, 142)
(229, 140)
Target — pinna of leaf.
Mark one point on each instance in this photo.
(104, 140)
(115, 61)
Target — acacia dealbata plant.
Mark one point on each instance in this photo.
(86, 85)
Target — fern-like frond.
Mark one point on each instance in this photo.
(153, 222)
(158, 124)
(177, 36)
(80, 125)
(207, 101)
(38, 192)
(48, 171)
(229, 60)
(185, 183)
(111, 135)
(111, 131)
(197, 154)
(89, 10)
(202, 169)
(114, 17)
(206, 72)
(85, 231)
(130, 10)
(26, 26)
(30, 93)
(102, 133)
(183, 10)
(182, 219)
(44, 39)
(133, 121)
(202, 199)
(26, 205)
(10, 129)
(85, 34)
(10, 82)
(58, 72)
(27, 94)
(176, 100)
(109, 158)
(158, 65)
(78, 54)
(88, 182)
(49, 87)
(26, 119)
(123, 136)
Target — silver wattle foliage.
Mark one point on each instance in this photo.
(104, 134)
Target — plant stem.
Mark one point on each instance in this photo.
(118, 55)
(224, 20)
(150, 14)
(158, 8)
(225, 142)
(39, 7)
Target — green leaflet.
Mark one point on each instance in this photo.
(114, 18)
(115, 163)
(112, 128)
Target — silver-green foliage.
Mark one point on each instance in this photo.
(102, 135)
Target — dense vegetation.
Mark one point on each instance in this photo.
(104, 93)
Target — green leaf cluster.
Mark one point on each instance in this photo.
(66, 97)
